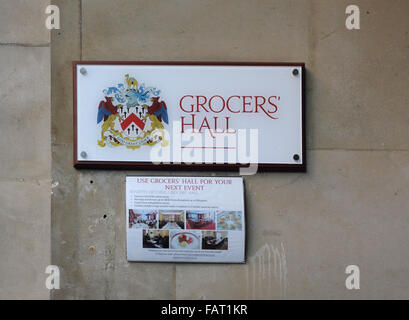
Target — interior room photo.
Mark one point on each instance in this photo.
(213, 240)
(200, 220)
(156, 239)
(142, 220)
(171, 220)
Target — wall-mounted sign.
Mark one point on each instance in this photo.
(185, 219)
(197, 115)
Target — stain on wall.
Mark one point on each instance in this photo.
(267, 273)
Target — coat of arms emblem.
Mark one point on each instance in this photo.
(132, 115)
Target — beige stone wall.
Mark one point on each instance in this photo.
(303, 228)
(25, 156)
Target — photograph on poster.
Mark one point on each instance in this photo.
(155, 239)
(187, 240)
(190, 227)
(203, 220)
(214, 240)
(143, 219)
(229, 220)
(171, 219)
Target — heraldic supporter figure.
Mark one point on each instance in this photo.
(132, 116)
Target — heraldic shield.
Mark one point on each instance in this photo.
(132, 115)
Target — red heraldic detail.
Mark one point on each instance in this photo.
(132, 118)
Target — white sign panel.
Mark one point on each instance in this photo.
(174, 114)
(185, 219)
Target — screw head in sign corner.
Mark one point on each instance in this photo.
(83, 71)
(296, 157)
(83, 154)
(295, 72)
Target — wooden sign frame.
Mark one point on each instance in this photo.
(299, 166)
